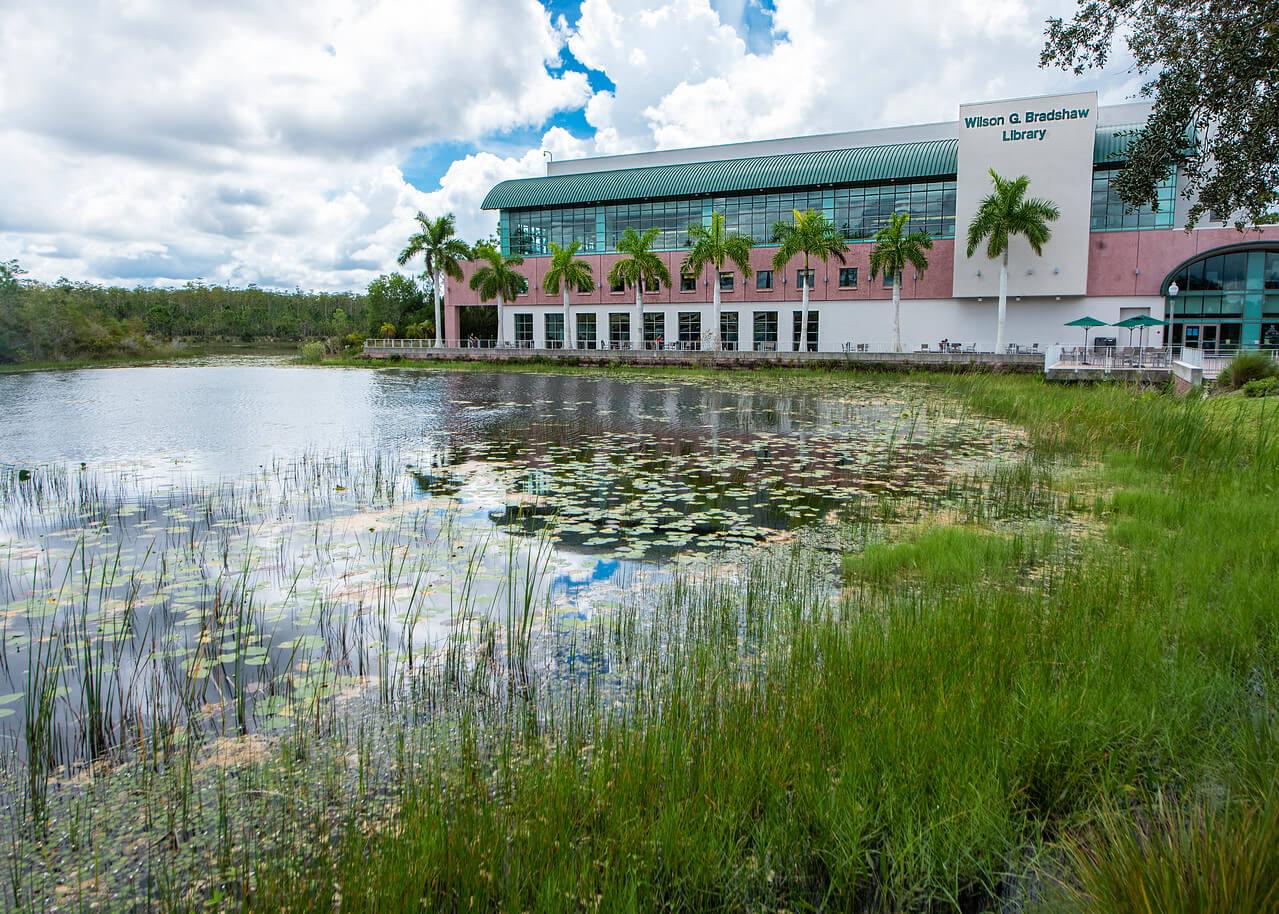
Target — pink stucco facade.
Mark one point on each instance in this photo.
(1119, 264)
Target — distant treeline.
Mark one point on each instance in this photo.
(69, 320)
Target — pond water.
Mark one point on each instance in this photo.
(202, 546)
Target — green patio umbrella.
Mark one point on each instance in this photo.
(1143, 321)
(1087, 323)
(1130, 324)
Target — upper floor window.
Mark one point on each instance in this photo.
(687, 282)
(889, 276)
(764, 280)
(848, 277)
(1109, 213)
(618, 286)
(803, 278)
(726, 282)
(652, 285)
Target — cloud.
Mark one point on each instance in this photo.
(261, 140)
(244, 140)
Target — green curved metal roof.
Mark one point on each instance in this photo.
(1112, 142)
(931, 158)
(863, 164)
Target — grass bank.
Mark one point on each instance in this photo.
(1059, 693)
(157, 356)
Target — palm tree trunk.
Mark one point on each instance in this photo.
(708, 339)
(637, 332)
(568, 324)
(1003, 303)
(897, 312)
(803, 316)
(439, 312)
(500, 316)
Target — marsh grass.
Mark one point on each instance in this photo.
(970, 729)
(1034, 686)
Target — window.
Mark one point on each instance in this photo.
(523, 285)
(797, 328)
(803, 278)
(690, 330)
(617, 287)
(728, 329)
(764, 281)
(687, 282)
(888, 278)
(766, 330)
(848, 277)
(726, 282)
(1109, 213)
(859, 211)
(1271, 270)
(586, 331)
(652, 284)
(523, 329)
(554, 327)
(619, 331)
(654, 331)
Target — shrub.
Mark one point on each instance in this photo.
(1262, 387)
(1248, 366)
(312, 352)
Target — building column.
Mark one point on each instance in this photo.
(452, 324)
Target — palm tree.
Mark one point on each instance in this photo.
(497, 279)
(1003, 214)
(641, 267)
(444, 252)
(893, 250)
(713, 245)
(566, 272)
(809, 233)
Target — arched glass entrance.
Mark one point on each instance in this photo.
(1227, 298)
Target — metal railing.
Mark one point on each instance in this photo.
(701, 344)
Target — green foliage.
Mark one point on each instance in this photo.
(1169, 858)
(1247, 366)
(393, 299)
(808, 234)
(1214, 64)
(66, 320)
(641, 265)
(1262, 387)
(894, 249)
(497, 278)
(713, 245)
(1006, 212)
(566, 271)
(312, 352)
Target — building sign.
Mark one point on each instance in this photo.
(1050, 140)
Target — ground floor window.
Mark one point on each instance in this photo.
(1270, 335)
(554, 327)
(523, 329)
(766, 330)
(619, 330)
(654, 331)
(728, 329)
(586, 331)
(690, 329)
(797, 328)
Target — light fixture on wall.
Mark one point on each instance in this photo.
(1030, 271)
(1056, 270)
(979, 274)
